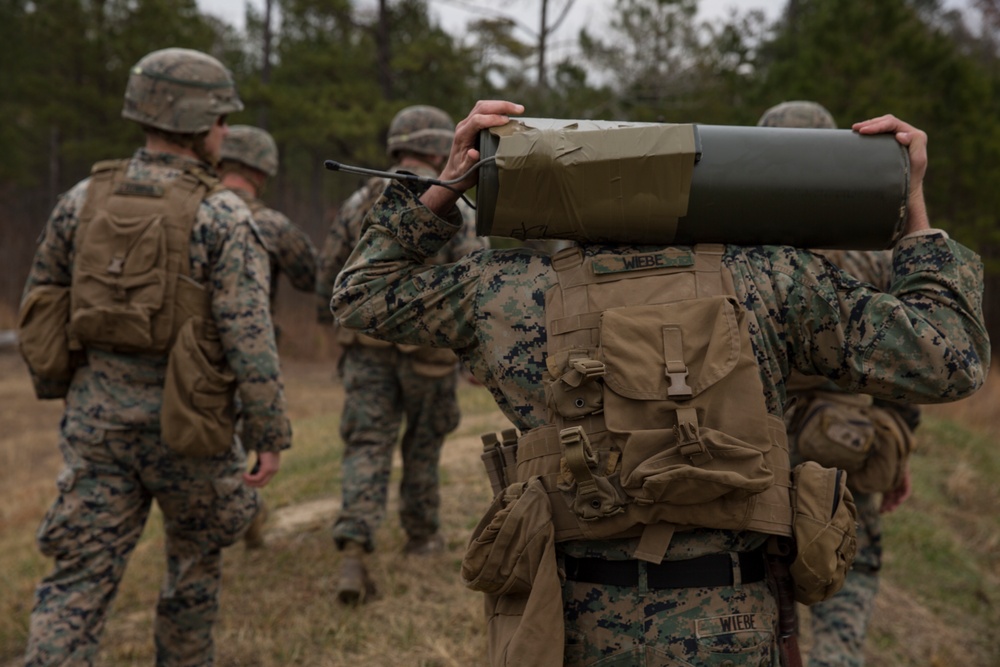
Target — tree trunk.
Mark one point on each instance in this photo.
(265, 65)
(543, 33)
(384, 54)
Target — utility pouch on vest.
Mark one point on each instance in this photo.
(848, 432)
(667, 366)
(125, 261)
(836, 430)
(885, 467)
(500, 458)
(42, 333)
(198, 415)
(825, 530)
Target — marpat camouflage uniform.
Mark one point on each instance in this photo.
(382, 384)
(927, 343)
(290, 250)
(117, 464)
(839, 625)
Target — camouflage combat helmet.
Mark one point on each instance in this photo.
(179, 90)
(798, 113)
(251, 146)
(421, 129)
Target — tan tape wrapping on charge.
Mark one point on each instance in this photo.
(584, 184)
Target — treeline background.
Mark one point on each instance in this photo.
(325, 78)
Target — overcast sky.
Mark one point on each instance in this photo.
(454, 15)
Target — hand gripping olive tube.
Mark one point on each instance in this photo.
(603, 181)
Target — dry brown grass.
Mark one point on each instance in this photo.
(278, 606)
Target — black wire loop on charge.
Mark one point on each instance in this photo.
(333, 165)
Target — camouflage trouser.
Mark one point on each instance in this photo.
(380, 388)
(839, 625)
(105, 493)
(612, 626)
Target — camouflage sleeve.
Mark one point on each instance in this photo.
(874, 267)
(239, 279)
(52, 264)
(389, 291)
(466, 241)
(925, 341)
(343, 235)
(291, 248)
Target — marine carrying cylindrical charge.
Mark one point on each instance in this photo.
(603, 181)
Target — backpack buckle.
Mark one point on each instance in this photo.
(689, 443)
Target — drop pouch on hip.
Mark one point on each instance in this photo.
(198, 415)
(825, 530)
(511, 558)
(42, 332)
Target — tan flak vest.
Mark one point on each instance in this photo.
(132, 292)
(657, 414)
(132, 288)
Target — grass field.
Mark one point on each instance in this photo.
(939, 604)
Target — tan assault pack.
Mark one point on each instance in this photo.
(132, 287)
(132, 292)
(657, 416)
(646, 353)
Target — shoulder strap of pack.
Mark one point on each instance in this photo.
(211, 182)
(108, 165)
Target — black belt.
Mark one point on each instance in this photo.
(703, 572)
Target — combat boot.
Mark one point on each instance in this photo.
(424, 546)
(354, 585)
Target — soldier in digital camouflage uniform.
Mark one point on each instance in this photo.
(926, 341)
(110, 436)
(385, 383)
(249, 157)
(840, 624)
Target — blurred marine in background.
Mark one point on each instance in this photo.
(871, 439)
(146, 309)
(248, 158)
(385, 383)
